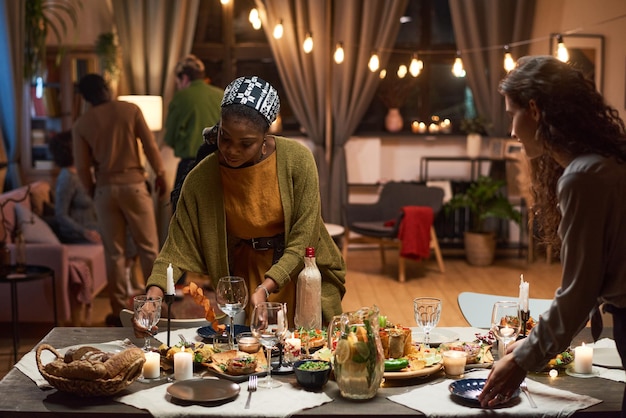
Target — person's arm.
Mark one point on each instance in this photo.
(151, 150)
(83, 160)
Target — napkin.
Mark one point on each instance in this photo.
(618, 375)
(277, 402)
(28, 363)
(435, 400)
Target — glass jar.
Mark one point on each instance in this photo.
(358, 360)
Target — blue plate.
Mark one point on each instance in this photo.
(208, 332)
(469, 389)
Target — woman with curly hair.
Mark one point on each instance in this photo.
(577, 147)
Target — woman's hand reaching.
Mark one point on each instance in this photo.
(141, 331)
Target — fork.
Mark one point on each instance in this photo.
(524, 387)
(252, 380)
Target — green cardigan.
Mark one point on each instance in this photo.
(198, 241)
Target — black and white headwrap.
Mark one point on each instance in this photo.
(256, 93)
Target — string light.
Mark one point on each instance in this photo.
(509, 62)
(382, 74)
(254, 19)
(402, 71)
(307, 45)
(338, 56)
(278, 30)
(457, 67)
(374, 63)
(416, 66)
(562, 54)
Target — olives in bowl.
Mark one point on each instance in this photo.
(312, 374)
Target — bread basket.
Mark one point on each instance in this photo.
(90, 388)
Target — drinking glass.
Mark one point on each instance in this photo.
(505, 322)
(269, 325)
(232, 298)
(427, 313)
(147, 314)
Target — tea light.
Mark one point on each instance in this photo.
(506, 332)
(421, 128)
(248, 344)
(553, 373)
(454, 363)
(152, 366)
(183, 365)
(415, 126)
(433, 128)
(583, 359)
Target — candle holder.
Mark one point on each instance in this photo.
(525, 316)
(169, 299)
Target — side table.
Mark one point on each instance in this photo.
(13, 277)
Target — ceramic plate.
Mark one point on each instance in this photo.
(203, 390)
(437, 336)
(208, 332)
(595, 372)
(426, 371)
(469, 389)
(607, 357)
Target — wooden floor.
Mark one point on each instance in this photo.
(368, 283)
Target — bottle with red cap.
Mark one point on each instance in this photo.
(308, 314)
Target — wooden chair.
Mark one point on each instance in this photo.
(370, 221)
(476, 307)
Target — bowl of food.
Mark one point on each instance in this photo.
(312, 374)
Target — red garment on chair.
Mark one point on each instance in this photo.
(415, 232)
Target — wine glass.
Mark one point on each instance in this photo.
(232, 298)
(147, 314)
(505, 322)
(427, 313)
(269, 325)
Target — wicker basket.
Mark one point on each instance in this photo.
(88, 388)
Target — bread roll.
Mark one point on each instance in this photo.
(122, 361)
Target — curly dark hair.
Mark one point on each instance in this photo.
(60, 147)
(575, 119)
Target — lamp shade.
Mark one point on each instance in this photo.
(151, 107)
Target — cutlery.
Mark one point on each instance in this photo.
(252, 380)
(524, 387)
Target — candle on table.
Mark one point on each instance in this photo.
(183, 365)
(152, 366)
(506, 331)
(523, 294)
(170, 280)
(293, 347)
(454, 363)
(583, 359)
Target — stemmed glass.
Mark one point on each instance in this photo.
(147, 314)
(269, 325)
(427, 312)
(232, 298)
(505, 322)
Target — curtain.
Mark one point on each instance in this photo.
(11, 86)
(329, 99)
(484, 23)
(154, 35)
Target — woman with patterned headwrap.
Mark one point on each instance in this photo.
(251, 208)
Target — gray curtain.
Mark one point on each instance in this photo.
(480, 24)
(12, 88)
(329, 99)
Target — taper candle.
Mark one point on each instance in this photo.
(170, 280)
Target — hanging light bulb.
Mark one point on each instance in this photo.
(224, 2)
(416, 66)
(307, 45)
(457, 67)
(382, 74)
(278, 30)
(562, 54)
(509, 62)
(402, 71)
(374, 62)
(338, 56)
(254, 19)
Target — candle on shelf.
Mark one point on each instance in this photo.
(152, 366)
(183, 365)
(415, 127)
(523, 294)
(445, 126)
(170, 280)
(583, 359)
(433, 128)
(421, 128)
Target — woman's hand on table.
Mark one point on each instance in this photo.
(141, 331)
(504, 379)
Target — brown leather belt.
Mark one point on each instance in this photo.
(277, 243)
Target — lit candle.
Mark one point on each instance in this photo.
(553, 373)
(421, 128)
(415, 126)
(183, 365)
(523, 294)
(454, 363)
(506, 331)
(152, 366)
(170, 280)
(293, 348)
(583, 359)
(433, 128)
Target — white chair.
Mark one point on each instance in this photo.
(476, 307)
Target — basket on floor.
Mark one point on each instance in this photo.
(89, 388)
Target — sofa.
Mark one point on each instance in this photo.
(79, 269)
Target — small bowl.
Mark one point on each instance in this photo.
(312, 379)
(248, 343)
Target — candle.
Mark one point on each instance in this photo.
(170, 280)
(421, 128)
(248, 343)
(183, 365)
(553, 373)
(293, 348)
(152, 366)
(583, 359)
(415, 126)
(454, 363)
(523, 294)
(433, 128)
(506, 331)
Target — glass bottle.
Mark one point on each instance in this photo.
(308, 314)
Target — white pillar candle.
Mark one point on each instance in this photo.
(152, 366)
(523, 294)
(170, 280)
(183, 365)
(583, 359)
(454, 362)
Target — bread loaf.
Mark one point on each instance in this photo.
(88, 363)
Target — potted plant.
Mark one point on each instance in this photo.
(474, 128)
(483, 199)
(393, 92)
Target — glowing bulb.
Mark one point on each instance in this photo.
(374, 62)
(307, 45)
(509, 62)
(416, 66)
(457, 68)
(382, 74)
(338, 56)
(402, 71)
(256, 25)
(278, 30)
(224, 1)
(562, 54)
(554, 373)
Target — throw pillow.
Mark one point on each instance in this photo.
(35, 229)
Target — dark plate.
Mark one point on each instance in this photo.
(203, 390)
(469, 389)
(208, 332)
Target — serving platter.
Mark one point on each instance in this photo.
(469, 389)
(203, 390)
(401, 375)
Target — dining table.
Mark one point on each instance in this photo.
(21, 397)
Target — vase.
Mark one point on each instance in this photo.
(393, 120)
(474, 144)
